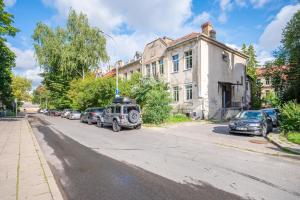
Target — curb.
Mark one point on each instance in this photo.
(284, 145)
(48, 175)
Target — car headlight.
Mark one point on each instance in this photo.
(254, 125)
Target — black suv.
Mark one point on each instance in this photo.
(90, 115)
(122, 113)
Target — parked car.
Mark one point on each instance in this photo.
(254, 122)
(74, 114)
(90, 115)
(57, 113)
(274, 114)
(122, 113)
(65, 113)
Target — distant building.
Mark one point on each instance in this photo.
(264, 77)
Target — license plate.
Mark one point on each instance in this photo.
(241, 128)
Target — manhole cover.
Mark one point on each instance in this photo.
(258, 141)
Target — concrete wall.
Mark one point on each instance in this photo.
(130, 68)
(216, 70)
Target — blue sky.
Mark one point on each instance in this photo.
(133, 23)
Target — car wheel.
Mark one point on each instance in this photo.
(138, 126)
(264, 131)
(116, 127)
(99, 123)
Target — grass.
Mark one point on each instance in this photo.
(294, 137)
(173, 119)
(177, 118)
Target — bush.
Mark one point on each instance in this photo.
(290, 117)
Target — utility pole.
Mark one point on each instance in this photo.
(47, 103)
(117, 80)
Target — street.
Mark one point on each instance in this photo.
(193, 161)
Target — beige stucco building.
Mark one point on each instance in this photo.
(207, 79)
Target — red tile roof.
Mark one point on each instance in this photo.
(184, 38)
(110, 73)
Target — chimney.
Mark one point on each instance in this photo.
(207, 29)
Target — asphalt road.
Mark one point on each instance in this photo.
(175, 163)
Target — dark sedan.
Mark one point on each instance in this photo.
(90, 115)
(254, 122)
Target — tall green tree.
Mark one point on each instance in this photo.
(251, 72)
(7, 57)
(67, 53)
(21, 87)
(288, 54)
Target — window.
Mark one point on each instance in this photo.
(176, 93)
(161, 67)
(188, 59)
(267, 81)
(189, 92)
(148, 70)
(258, 81)
(139, 70)
(153, 68)
(118, 109)
(225, 56)
(175, 63)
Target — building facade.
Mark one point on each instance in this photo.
(207, 79)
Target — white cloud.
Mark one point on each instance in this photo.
(142, 18)
(259, 3)
(26, 64)
(9, 3)
(241, 3)
(271, 37)
(225, 6)
(234, 46)
(201, 18)
(264, 56)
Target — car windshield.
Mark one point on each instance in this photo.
(249, 115)
(76, 111)
(270, 112)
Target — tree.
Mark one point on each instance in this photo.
(21, 87)
(66, 54)
(7, 57)
(289, 54)
(41, 96)
(251, 72)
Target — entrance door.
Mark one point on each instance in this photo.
(226, 95)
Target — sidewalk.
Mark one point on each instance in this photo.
(24, 172)
(283, 143)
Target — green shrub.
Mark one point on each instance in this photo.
(156, 107)
(290, 117)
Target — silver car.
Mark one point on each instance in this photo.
(74, 114)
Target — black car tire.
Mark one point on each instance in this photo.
(133, 116)
(116, 127)
(138, 126)
(99, 123)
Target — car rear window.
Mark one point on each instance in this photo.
(99, 110)
(127, 109)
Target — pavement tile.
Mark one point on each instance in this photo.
(15, 137)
